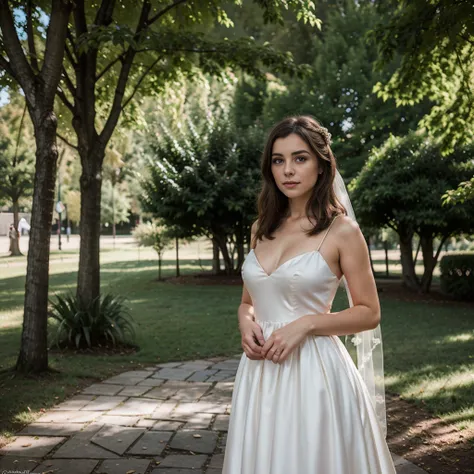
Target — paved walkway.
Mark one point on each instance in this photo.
(167, 419)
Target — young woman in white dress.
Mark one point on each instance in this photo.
(300, 405)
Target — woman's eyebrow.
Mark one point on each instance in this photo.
(294, 153)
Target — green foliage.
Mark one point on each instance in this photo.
(106, 319)
(464, 192)
(339, 90)
(115, 204)
(17, 158)
(204, 180)
(403, 182)
(205, 183)
(151, 234)
(457, 275)
(436, 41)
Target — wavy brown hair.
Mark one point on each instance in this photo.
(322, 205)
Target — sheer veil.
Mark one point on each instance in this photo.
(366, 344)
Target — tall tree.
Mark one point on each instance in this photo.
(401, 187)
(38, 74)
(339, 93)
(136, 50)
(436, 42)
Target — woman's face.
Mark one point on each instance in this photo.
(294, 162)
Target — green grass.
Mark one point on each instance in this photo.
(428, 347)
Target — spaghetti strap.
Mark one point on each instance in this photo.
(327, 231)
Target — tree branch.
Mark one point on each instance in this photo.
(18, 66)
(148, 69)
(123, 78)
(31, 38)
(69, 82)
(6, 66)
(19, 135)
(70, 56)
(66, 141)
(115, 61)
(164, 11)
(105, 13)
(65, 100)
(54, 51)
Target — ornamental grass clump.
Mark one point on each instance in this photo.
(106, 320)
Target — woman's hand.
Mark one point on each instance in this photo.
(284, 341)
(251, 333)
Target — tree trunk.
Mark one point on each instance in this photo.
(33, 355)
(216, 265)
(15, 243)
(222, 243)
(406, 256)
(385, 247)
(429, 260)
(177, 256)
(88, 279)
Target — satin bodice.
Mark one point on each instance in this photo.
(302, 285)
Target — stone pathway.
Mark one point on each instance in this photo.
(168, 419)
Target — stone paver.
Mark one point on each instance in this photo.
(67, 466)
(136, 406)
(52, 429)
(197, 441)
(184, 461)
(103, 389)
(31, 446)
(179, 410)
(117, 438)
(14, 463)
(122, 466)
(103, 403)
(152, 443)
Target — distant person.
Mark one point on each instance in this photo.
(12, 234)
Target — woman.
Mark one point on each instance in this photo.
(299, 405)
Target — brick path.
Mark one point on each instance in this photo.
(168, 419)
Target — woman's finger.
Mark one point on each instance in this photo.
(250, 353)
(252, 344)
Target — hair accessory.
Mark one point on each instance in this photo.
(325, 133)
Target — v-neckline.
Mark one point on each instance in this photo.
(309, 252)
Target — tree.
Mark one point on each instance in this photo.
(110, 54)
(206, 183)
(436, 42)
(401, 187)
(16, 160)
(114, 56)
(338, 92)
(152, 234)
(38, 75)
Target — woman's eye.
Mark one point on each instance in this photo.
(303, 158)
(275, 160)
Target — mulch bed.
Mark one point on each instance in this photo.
(427, 441)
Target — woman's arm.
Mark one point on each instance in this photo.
(249, 329)
(355, 266)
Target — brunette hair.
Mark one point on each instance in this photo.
(323, 204)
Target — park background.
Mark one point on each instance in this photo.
(154, 153)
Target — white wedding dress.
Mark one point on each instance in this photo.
(312, 414)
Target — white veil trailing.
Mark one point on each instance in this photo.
(367, 344)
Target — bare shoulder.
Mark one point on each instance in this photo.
(345, 227)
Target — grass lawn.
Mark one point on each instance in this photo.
(429, 347)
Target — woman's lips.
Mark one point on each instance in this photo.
(290, 185)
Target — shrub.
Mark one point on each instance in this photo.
(457, 275)
(106, 319)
